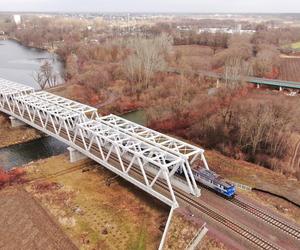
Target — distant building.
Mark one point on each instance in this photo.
(184, 28)
(238, 30)
(17, 19)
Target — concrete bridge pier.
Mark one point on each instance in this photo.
(258, 86)
(280, 88)
(15, 123)
(75, 155)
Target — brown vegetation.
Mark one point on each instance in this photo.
(46, 77)
(11, 136)
(289, 69)
(121, 73)
(12, 176)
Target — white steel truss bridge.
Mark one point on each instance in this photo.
(144, 157)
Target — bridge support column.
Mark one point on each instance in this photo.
(15, 123)
(257, 86)
(280, 88)
(75, 155)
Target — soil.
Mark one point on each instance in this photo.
(11, 136)
(289, 69)
(26, 225)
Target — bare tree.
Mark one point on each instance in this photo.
(46, 76)
(147, 58)
(235, 70)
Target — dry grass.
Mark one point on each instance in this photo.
(180, 234)
(94, 215)
(183, 229)
(11, 136)
(97, 216)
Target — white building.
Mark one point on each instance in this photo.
(17, 19)
(226, 30)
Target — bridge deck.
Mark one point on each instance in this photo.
(274, 82)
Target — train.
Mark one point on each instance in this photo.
(215, 182)
(207, 178)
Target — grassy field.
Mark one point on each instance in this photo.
(94, 215)
(97, 216)
(295, 46)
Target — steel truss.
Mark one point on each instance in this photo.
(188, 152)
(9, 90)
(131, 155)
(90, 112)
(127, 155)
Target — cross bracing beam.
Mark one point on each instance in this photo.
(13, 86)
(9, 89)
(187, 152)
(67, 103)
(164, 141)
(178, 147)
(45, 106)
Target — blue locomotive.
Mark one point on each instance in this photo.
(214, 181)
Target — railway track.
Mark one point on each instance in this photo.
(272, 220)
(260, 214)
(243, 232)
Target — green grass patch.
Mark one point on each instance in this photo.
(140, 241)
(294, 46)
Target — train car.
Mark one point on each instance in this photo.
(214, 181)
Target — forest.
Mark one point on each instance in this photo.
(118, 73)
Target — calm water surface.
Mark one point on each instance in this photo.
(18, 63)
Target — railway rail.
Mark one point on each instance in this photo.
(272, 220)
(260, 214)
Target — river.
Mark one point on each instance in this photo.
(18, 63)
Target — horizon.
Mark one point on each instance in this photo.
(153, 12)
(154, 6)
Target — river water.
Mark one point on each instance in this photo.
(18, 63)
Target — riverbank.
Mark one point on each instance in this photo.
(11, 136)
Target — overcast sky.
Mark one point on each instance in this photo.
(152, 5)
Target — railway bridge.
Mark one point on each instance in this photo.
(144, 157)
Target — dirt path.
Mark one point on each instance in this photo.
(26, 225)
